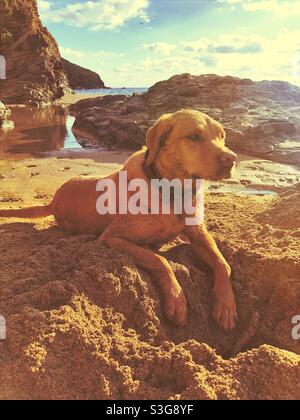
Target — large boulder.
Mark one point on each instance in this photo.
(34, 71)
(259, 116)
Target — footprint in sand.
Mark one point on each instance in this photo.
(42, 196)
(10, 200)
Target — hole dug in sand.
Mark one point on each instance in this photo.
(83, 322)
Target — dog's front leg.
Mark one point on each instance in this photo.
(175, 303)
(205, 247)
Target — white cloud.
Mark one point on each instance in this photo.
(95, 15)
(249, 56)
(44, 5)
(125, 68)
(226, 44)
(244, 56)
(81, 56)
(163, 48)
(230, 44)
(279, 8)
(70, 54)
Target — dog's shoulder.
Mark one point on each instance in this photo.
(133, 165)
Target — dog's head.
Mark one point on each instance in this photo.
(191, 143)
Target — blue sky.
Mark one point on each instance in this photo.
(139, 42)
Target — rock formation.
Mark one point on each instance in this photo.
(34, 70)
(259, 116)
(82, 78)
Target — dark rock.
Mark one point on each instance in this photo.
(258, 116)
(82, 78)
(34, 71)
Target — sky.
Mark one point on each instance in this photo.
(136, 43)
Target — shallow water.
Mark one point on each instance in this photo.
(47, 130)
(38, 131)
(289, 144)
(113, 91)
(240, 189)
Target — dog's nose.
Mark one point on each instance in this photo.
(228, 158)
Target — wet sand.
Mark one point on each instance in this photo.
(258, 176)
(72, 98)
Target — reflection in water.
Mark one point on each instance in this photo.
(289, 144)
(38, 131)
(70, 140)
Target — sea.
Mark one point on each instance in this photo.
(113, 91)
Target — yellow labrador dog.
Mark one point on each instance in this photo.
(185, 145)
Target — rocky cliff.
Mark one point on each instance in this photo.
(34, 70)
(82, 78)
(261, 118)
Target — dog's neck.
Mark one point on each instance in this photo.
(164, 169)
(151, 170)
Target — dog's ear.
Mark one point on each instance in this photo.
(157, 135)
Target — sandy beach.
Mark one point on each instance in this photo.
(72, 98)
(67, 300)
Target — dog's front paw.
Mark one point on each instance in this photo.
(175, 305)
(224, 310)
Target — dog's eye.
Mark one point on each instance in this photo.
(194, 137)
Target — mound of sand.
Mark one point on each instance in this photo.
(285, 212)
(83, 322)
